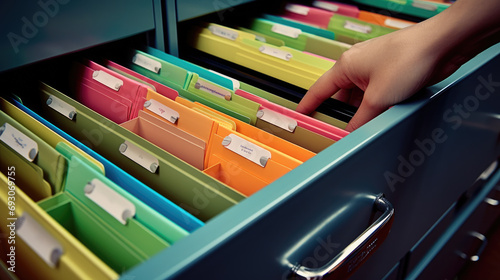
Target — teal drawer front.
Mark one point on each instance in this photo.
(426, 151)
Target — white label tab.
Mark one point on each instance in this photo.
(397, 23)
(326, 6)
(247, 149)
(281, 54)
(62, 107)
(109, 200)
(214, 90)
(39, 240)
(18, 141)
(223, 32)
(236, 83)
(354, 26)
(139, 156)
(162, 110)
(147, 63)
(301, 10)
(107, 80)
(277, 119)
(286, 30)
(424, 5)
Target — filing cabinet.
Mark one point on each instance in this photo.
(420, 155)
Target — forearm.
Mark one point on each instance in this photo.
(466, 27)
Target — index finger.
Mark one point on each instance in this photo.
(326, 86)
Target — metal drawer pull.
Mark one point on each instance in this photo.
(474, 257)
(346, 262)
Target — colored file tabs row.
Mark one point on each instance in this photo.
(143, 152)
(298, 45)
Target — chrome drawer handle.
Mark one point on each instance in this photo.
(474, 257)
(347, 261)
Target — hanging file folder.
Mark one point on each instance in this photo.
(300, 40)
(201, 195)
(49, 136)
(82, 171)
(179, 79)
(283, 63)
(90, 204)
(256, 134)
(34, 150)
(70, 258)
(159, 203)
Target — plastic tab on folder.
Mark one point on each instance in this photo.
(351, 30)
(155, 85)
(310, 15)
(47, 158)
(40, 241)
(336, 7)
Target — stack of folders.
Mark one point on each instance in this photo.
(59, 193)
(143, 152)
(297, 46)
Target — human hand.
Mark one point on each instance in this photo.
(386, 70)
(377, 74)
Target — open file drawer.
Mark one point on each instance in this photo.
(424, 152)
(421, 155)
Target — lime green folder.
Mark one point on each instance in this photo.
(300, 40)
(352, 31)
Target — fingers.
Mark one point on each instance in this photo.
(365, 113)
(322, 89)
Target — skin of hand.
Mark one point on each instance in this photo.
(380, 72)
